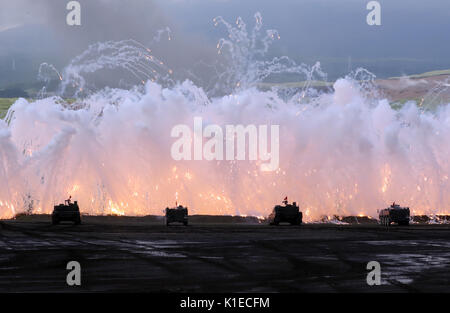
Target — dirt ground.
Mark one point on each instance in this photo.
(434, 89)
(143, 255)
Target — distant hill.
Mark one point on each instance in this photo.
(22, 50)
(13, 93)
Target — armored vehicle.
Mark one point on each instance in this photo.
(394, 214)
(66, 212)
(178, 214)
(288, 213)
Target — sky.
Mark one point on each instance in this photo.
(413, 36)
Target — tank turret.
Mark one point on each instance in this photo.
(178, 214)
(394, 214)
(69, 211)
(286, 213)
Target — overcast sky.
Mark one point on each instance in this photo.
(414, 35)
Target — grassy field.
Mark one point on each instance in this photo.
(5, 103)
(314, 83)
(427, 74)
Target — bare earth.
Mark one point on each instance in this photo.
(139, 254)
(402, 89)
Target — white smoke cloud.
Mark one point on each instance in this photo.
(344, 155)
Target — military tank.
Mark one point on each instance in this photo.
(394, 214)
(178, 214)
(286, 213)
(66, 212)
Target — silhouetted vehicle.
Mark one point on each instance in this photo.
(177, 215)
(66, 212)
(287, 213)
(394, 214)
